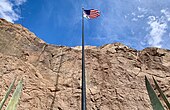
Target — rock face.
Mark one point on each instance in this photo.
(52, 74)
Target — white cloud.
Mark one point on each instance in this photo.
(167, 14)
(141, 16)
(7, 10)
(150, 23)
(158, 28)
(134, 19)
(20, 2)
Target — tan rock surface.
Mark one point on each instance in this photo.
(52, 74)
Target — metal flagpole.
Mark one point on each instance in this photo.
(83, 101)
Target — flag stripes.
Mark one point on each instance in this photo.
(90, 14)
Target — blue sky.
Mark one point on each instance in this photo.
(136, 23)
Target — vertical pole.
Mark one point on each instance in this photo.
(83, 101)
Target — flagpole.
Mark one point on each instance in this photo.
(83, 94)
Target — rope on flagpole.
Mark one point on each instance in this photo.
(83, 101)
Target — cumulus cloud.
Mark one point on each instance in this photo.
(158, 28)
(7, 10)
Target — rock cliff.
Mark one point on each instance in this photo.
(52, 74)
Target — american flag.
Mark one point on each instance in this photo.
(92, 13)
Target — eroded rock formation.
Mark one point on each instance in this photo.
(52, 74)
